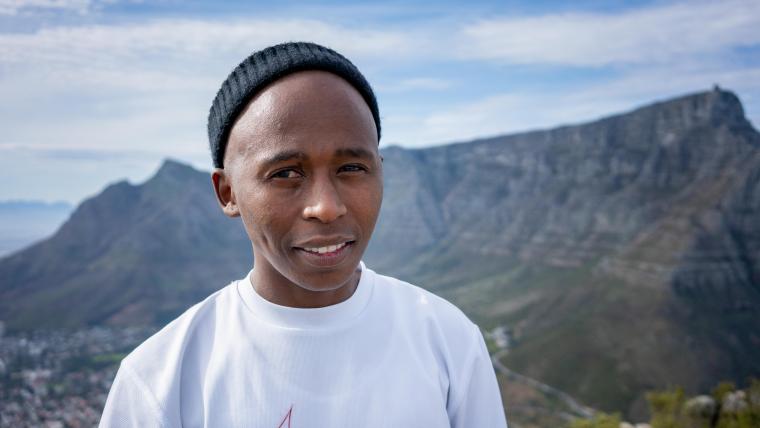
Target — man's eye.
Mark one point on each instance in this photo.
(286, 173)
(352, 168)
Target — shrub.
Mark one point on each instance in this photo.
(600, 420)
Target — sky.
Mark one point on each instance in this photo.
(96, 91)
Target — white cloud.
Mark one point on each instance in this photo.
(660, 34)
(524, 111)
(12, 7)
(657, 52)
(179, 54)
(182, 53)
(189, 39)
(417, 83)
(146, 84)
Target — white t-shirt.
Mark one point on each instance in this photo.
(391, 355)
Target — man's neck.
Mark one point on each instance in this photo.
(276, 288)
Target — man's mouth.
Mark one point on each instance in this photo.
(326, 254)
(326, 249)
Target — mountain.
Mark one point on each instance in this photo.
(24, 222)
(622, 255)
(130, 255)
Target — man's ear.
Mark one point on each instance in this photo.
(224, 194)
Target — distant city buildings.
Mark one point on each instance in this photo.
(501, 336)
(60, 379)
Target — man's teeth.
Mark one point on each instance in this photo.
(327, 249)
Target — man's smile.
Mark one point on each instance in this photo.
(327, 249)
(326, 255)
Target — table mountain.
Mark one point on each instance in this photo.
(623, 254)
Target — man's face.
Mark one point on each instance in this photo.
(303, 171)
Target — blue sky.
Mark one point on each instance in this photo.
(96, 91)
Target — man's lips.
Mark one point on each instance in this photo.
(326, 256)
(324, 245)
(325, 249)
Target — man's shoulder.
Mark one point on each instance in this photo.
(172, 341)
(424, 307)
(417, 296)
(437, 331)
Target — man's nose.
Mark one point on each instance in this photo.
(324, 203)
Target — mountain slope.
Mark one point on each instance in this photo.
(133, 254)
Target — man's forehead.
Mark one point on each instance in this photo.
(289, 97)
(271, 154)
(283, 137)
(306, 108)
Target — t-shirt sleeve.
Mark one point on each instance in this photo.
(130, 403)
(481, 404)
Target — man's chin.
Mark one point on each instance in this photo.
(326, 279)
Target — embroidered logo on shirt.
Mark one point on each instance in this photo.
(286, 420)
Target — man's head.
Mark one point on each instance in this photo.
(264, 67)
(301, 167)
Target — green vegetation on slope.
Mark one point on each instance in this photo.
(727, 407)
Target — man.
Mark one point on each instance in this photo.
(310, 337)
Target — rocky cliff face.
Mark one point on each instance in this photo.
(571, 194)
(623, 254)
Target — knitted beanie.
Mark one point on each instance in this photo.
(264, 67)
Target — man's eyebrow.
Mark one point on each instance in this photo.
(287, 155)
(283, 156)
(354, 152)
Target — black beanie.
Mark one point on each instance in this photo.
(264, 67)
